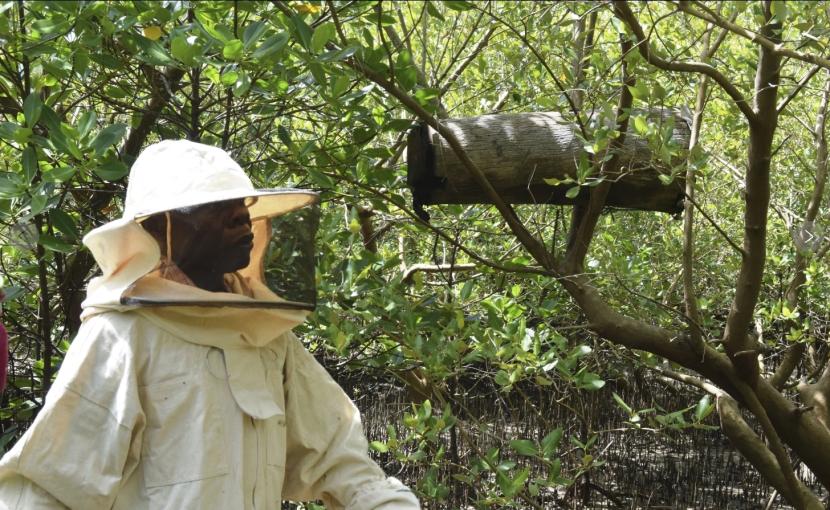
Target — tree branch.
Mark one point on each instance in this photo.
(691, 380)
(689, 294)
(772, 45)
(433, 268)
(783, 104)
(623, 12)
(583, 40)
(759, 155)
(796, 351)
(485, 40)
(717, 227)
(743, 438)
(581, 238)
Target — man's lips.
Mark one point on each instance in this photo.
(246, 241)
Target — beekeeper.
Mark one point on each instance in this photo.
(185, 388)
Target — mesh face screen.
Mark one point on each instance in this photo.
(289, 263)
(220, 239)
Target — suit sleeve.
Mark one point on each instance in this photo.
(86, 438)
(327, 452)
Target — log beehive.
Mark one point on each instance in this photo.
(518, 151)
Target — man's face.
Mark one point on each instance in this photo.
(214, 237)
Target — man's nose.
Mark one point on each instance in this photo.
(241, 217)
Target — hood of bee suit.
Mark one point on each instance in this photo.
(176, 174)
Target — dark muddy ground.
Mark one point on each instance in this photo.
(672, 469)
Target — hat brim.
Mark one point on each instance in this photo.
(269, 202)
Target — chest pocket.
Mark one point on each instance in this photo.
(184, 440)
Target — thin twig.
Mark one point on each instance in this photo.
(720, 230)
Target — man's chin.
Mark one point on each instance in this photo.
(238, 262)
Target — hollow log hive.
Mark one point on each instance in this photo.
(518, 151)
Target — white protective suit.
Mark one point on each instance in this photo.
(203, 405)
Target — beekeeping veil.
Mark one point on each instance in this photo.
(179, 176)
(273, 293)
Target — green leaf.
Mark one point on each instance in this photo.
(252, 33)
(61, 143)
(108, 137)
(50, 119)
(427, 96)
(38, 203)
(778, 8)
(433, 11)
(115, 92)
(572, 192)
(153, 52)
(551, 441)
(212, 74)
(340, 85)
(8, 129)
(666, 179)
(341, 54)
(502, 378)
(29, 164)
(60, 174)
(22, 135)
(580, 351)
(87, 122)
(704, 408)
(590, 381)
(10, 186)
(229, 77)
(524, 447)
(405, 72)
(639, 90)
(32, 107)
(303, 31)
(620, 402)
(397, 125)
(271, 45)
(282, 134)
(106, 60)
(242, 85)
(385, 19)
(658, 90)
(111, 170)
(466, 290)
(64, 223)
(232, 49)
(640, 124)
(322, 35)
(184, 49)
(318, 72)
(210, 27)
(458, 5)
(379, 446)
(51, 25)
(518, 482)
(54, 244)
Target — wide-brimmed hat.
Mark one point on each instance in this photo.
(176, 174)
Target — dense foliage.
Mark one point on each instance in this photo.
(480, 299)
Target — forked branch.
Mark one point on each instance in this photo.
(623, 12)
